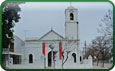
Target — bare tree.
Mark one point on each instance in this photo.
(67, 50)
(102, 47)
(92, 50)
(106, 26)
(64, 58)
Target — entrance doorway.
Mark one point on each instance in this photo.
(49, 58)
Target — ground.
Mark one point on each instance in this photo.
(106, 66)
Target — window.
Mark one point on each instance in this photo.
(71, 16)
(74, 56)
(30, 58)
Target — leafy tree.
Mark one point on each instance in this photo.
(10, 16)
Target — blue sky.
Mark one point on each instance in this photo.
(37, 18)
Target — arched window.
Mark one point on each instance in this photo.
(80, 58)
(74, 56)
(71, 16)
(30, 58)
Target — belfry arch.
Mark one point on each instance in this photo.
(71, 16)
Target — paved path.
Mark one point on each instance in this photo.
(107, 66)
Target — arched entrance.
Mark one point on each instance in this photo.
(81, 61)
(49, 58)
(80, 58)
(30, 58)
(74, 56)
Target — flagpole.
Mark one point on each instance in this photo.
(44, 62)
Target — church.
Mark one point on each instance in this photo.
(52, 51)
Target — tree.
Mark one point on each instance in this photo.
(91, 50)
(67, 50)
(10, 16)
(64, 58)
(106, 26)
(102, 48)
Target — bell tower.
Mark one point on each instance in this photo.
(71, 23)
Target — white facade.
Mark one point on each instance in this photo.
(32, 55)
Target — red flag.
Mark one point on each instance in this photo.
(60, 50)
(43, 48)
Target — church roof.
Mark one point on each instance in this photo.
(51, 35)
(71, 7)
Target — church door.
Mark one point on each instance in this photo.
(49, 58)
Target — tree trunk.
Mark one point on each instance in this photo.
(103, 57)
(103, 63)
(64, 61)
(93, 60)
(97, 62)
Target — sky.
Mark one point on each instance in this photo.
(37, 18)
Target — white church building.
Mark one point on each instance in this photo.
(53, 50)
